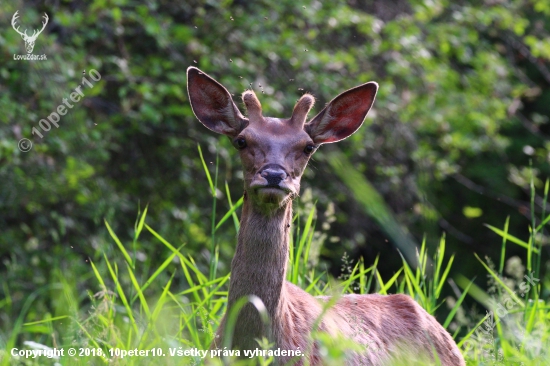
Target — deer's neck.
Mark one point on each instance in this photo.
(259, 268)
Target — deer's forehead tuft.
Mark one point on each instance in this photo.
(276, 128)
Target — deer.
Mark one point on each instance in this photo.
(274, 153)
(29, 40)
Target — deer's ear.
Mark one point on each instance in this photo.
(212, 104)
(343, 115)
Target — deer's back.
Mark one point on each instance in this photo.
(389, 328)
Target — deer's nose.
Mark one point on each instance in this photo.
(274, 175)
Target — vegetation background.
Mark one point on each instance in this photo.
(457, 134)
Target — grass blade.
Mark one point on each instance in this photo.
(231, 212)
(444, 276)
(140, 224)
(390, 283)
(451, 315)
(511, 238)
(119, 244)
(207, 172)
(157, 272)
(497, 278)
(503, 248)
(122, 296)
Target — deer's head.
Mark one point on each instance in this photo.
(275, 151)
(29, 40)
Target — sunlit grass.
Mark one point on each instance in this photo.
(134, 307)
(516, 327)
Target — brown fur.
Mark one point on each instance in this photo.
(253, 105)
(390, 329)
(301, 109)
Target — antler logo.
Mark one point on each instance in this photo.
(29, 40)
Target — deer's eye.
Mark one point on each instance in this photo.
(240, 143)
(309, 149)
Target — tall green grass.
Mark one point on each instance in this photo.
(175, 308)
(516, 327)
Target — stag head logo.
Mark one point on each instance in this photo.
(29, 40)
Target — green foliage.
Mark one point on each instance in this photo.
(451, 84)
(457, 138)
